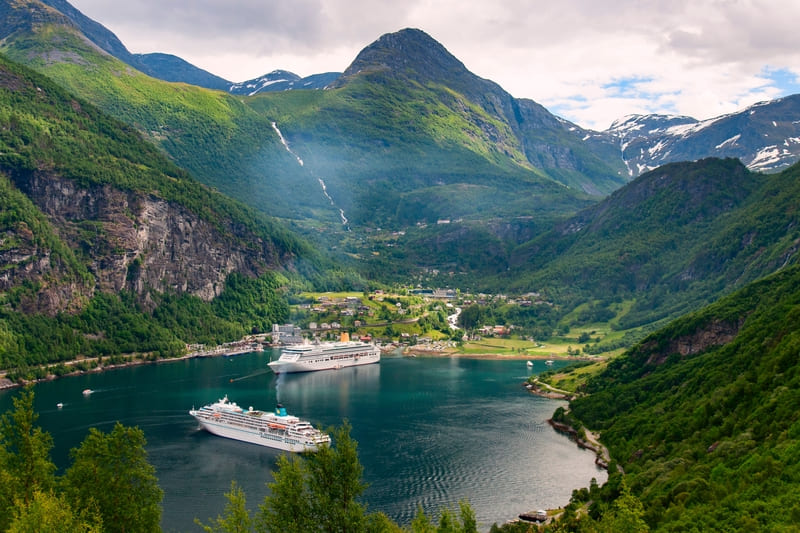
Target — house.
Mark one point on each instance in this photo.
(283, 332)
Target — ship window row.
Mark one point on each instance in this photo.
(253, 424)
(338, 357)
(239, 420)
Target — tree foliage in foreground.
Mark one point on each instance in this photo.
(111, 472)
(25, 465)
(110, 486)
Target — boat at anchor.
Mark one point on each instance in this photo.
(325, 356)
(275, 430)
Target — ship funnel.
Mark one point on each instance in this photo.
(280, 410)
(345, 337)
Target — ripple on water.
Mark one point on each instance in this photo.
(430, 432)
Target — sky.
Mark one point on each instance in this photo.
(589, 61)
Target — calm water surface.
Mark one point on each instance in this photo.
(430, 431)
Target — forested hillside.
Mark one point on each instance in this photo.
(702, 416)
(108, 247)
(672, 240)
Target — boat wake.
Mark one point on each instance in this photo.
(254, 374)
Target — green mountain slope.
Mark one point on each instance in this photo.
(221, 141)
(389, 153)
(448, 126)
(673, 239)
(703, 415)
(108, 247)
(407, 134)
(407, 139)
(393, 155)
(552, 145)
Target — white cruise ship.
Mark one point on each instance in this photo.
(276, 430)
(325, 356)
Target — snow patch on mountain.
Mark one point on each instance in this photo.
(728, 142)
(764, 136)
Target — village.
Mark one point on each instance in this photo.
(423, 322)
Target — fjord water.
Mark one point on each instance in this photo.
(430, 431)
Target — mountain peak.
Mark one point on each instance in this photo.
(410, 54)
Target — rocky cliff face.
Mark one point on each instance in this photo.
(26, 261)
(136, 242)
(715, 333)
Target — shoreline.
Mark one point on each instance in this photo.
(602, 456)
(6, 383)
(423, 352)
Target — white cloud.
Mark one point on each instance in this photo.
(700, 58)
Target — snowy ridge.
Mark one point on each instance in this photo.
(282, 80)
(764, 136)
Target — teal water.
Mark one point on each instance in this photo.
(430, 431)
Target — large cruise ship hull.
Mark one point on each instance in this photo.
(325, 356)
(322, 363)
(277, 430)
(255, 437)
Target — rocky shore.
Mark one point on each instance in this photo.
(590, 442)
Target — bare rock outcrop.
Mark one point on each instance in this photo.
(129, 241)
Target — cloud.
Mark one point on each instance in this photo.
(590, 62)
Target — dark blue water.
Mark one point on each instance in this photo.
(430, 431)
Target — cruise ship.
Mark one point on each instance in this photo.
(276, 430)
(325, 356)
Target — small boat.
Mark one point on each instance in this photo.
(529, 363)
(87, 392)
(548, 362)
(59, 405)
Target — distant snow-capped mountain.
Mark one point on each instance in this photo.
(764, 136)
(282, 80)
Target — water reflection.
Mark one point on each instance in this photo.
(304, 386)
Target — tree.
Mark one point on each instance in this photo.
(471, 317)
(287, 508)
(380, 523)
(335, 483)
(50, 512)
(25, 465)
(448, 522)
(626, 514)
(237, 517)
(469, 524)
(318, 492)
(422, 523)
(111, 471)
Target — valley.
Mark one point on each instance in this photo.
(149, 209)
